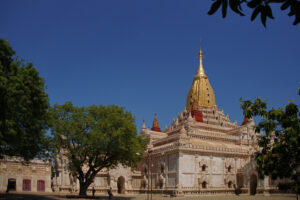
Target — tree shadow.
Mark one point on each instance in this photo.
(49, 196)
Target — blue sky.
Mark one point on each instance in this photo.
(143, 54)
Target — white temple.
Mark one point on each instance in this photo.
(201, 152)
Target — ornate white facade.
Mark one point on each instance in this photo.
(201, 152)
(212, 156)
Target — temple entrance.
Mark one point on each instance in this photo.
(11, 185)
(240, 180)
(204, 185)
(229, 184)
(253, 184)
(121, 185)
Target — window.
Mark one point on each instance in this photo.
(204, 184)
(204, 168)
(229, 184)
(229, 168)
(26, 185)
(41, 186)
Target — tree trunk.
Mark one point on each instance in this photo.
(84, 185)
(82, 191)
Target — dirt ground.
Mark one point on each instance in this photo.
(55, 196)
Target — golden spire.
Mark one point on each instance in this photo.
(200, 71)
(201, 92)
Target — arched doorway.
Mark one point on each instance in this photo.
(121, 185)
(229, 184)
(204, 184)
(253, 184)
(240, 180)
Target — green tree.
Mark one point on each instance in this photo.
(95, 137)
(279, 154)
(23, 106)
(262, 7)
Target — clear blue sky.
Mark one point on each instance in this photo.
(142, 54)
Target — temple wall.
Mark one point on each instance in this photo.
(100, 181)
(215, 173)
(35, 172)
(216, 181)
(136, 182)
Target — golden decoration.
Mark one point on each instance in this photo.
(201, 92)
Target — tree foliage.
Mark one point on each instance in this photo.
(262, 7)
(280, 144)
(95, 137)
(23, 106)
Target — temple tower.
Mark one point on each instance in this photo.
(201, 92)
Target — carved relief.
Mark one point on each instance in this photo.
(162, 176)
(203, 181)
(203, 165)
(229, 165)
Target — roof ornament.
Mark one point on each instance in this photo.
(182, 130)
(201, 93)
(200, 71)
(144, 125)
(155, 125)
(166, 128)
(190, 118)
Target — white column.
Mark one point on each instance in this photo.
(266, 186)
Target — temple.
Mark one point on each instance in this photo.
(200, 152)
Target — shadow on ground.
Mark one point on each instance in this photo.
(16, 196)
(53, 196)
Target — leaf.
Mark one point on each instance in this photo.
(276, 1)
(269, 12)
(255, 12)
(263, 16)
(297, 20)
(214, 7)
(254, 3)
(285, 5)
(292, 10)
(224, 8)
(235, 6)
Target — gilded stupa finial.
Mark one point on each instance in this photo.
(200, 71)
(201, 92)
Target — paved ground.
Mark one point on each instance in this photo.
(52, 196)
